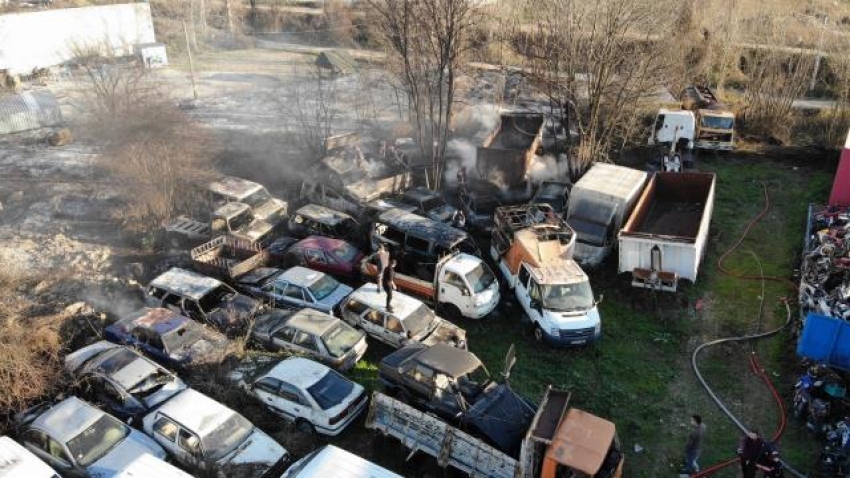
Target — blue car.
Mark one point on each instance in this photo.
(169, 338)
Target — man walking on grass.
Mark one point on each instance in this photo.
(693, 448)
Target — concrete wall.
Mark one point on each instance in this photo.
(46, 38)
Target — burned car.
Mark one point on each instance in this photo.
(202, 298)
(310, 333)
(318, 220)
(120, 379)
(168, 337)
(325, 254)
(479, 209)
(429, 204)
(453, 384)
(553, 193)
(296, 287)
(264, 206)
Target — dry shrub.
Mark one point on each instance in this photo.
(30, 361)
(156, 155)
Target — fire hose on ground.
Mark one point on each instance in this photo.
(754, 363)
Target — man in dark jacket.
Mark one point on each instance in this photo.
(388, 282)
(750, 449)
(693, 449)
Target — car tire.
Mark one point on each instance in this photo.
(538, 334)
(451, 311)
(305, 427)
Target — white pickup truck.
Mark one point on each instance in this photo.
(534, 247)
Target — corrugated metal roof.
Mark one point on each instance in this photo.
(29, 110)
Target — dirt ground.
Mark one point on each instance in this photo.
(55, 223)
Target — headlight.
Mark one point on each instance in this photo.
(481, 299)
(555, 332)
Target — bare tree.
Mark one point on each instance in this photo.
(775, 78)
(427, 41)
(596, 62)
(312, 103)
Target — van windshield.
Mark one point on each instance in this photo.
(480, 278)
(589, 232)
(568, 297)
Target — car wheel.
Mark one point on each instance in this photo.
(451, 311)
(538, 333)
(304, 426)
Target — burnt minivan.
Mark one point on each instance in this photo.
(417, 242)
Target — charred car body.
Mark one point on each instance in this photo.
(264, 206)
(202, 298)
(455, 385)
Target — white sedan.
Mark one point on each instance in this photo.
(312, 395)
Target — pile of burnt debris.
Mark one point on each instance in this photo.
(825, 270)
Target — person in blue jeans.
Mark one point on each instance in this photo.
(693, 448)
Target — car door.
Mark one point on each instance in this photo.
(165, 431)
(273, 293)
(305, 344)
(522, 291)
(282, 339)
(352, 313)
(394, 331)
(295, 296)
(51, 451)
(372, 322)
(453, 290)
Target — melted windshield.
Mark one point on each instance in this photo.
(345, 252)
(183, 336)
(238, 222)
(214, 298)
(258, 198)
(433, 203)
(567, 298)
(422, 319)
(330, 390)
(717, 122)
(340, 339)
(481, 278)
(323, 287)
(227, 436)
(97, 440)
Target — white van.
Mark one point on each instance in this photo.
(17, 461)
(331, 461)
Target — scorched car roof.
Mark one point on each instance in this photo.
(157, 319)
(234, 187)
(322, 214)
(446, 359)
(185, 283)
(423, 227)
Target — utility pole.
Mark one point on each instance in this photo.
(818, 55)
(191, 65)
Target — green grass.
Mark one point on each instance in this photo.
(640, 375)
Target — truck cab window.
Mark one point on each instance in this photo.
(455, 280)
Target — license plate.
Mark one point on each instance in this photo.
(578, 342)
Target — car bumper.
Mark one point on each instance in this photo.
(484, 310)
(564, 340)
(338, 428)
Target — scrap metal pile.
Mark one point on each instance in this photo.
(825, 271)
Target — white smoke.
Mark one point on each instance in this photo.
(476, 122)
(547, 168)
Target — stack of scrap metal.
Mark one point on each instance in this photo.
(825, 271)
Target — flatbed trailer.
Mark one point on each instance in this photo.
(666, 235)
(227, 257)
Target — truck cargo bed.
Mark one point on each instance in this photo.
(228, 257)
(670, 218)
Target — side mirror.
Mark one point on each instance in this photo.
(599, 300)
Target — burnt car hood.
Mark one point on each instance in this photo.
(204, 350)
(236, 310)
(446, 333)
(503, 417)
(272, 211)
(256, 231)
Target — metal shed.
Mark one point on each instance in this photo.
(29, 110)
